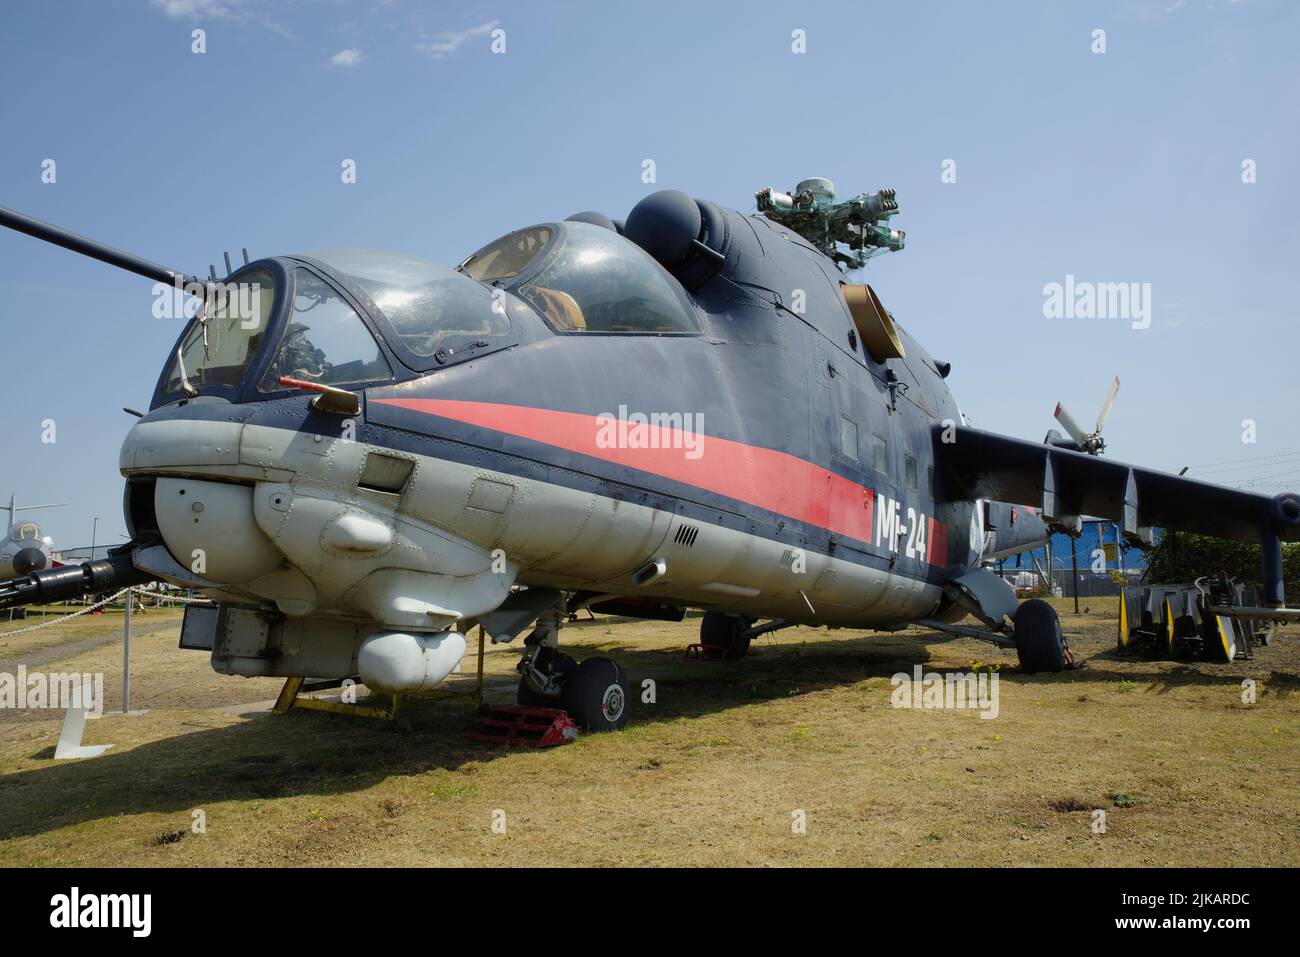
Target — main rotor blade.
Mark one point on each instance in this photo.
(1070, 426)
(1110, 400)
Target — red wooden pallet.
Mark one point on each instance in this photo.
(527, 727)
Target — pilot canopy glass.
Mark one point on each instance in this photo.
(431, 307)
(585, 278)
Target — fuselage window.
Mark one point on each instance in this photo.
(880, 461)
(849, 437)
(909, 470)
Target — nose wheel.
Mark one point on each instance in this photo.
(597, 695)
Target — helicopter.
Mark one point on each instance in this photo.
(363, 455)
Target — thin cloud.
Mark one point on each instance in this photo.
(448, 43)
(196, 9)
(233, 10)
(349, 57)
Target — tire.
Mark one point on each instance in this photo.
(561, 664)
(718, 630)
(1040, 644)
(598, 695)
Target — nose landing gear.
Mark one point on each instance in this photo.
(596, 693)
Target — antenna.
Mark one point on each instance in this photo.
(245, 252)
(229, 270)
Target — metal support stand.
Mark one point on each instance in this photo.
(126, 654)
(1074, 561)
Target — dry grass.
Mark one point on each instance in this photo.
(93, 627)
(711, 774)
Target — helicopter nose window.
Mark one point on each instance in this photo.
(326, 341)
(219, 350)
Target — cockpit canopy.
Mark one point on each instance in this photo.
(428, 305)
(356, 317)
(585, 278)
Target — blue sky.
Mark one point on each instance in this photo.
(1124, 166)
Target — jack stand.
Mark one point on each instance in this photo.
(293, 687)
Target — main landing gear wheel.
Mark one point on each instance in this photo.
(562, 666)
(725, 632)
(597, 695)
(1040, 643)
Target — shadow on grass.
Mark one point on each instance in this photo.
(318, 754)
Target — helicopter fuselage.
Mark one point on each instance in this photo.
(765, 465)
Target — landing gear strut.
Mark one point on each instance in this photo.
(556, 666)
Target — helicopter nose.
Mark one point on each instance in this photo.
(29, 560)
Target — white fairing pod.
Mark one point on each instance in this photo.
(210, 529)
(397, 661)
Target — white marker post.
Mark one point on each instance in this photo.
(74, 726)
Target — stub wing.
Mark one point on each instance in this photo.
(1068, 485)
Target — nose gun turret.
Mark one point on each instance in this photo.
(72, 581)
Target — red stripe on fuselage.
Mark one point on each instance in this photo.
(937, 536)
(762, 477)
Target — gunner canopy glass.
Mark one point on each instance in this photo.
(326, 342)
(430, 306)
(219, 349)
(507, 257)
(591, 280)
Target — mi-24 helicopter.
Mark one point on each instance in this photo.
(362, 455)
